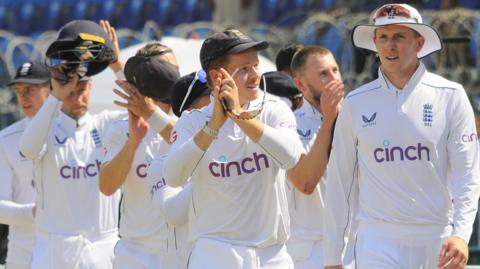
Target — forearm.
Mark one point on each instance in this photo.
(253, 128)
(176, 206)
(12, 213)
(280, 146)
(161, 123)
(35, 135)
(180, 163)
(114, 172)
(309, 170)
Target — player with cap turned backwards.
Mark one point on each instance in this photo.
(408, 140)
(76, 224)
(235, 152)
(130, 147)
(189, 92)
(17, 191)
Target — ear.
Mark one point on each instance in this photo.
(214, 74)
(299, 83)
(420, 43)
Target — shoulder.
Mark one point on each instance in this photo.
(110, 115)
(365, 90)
(439, 82)
(16, 128)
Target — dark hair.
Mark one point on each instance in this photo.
(300, 58)
(285, 56)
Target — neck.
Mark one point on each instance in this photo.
(163, 106)
(73, 116)
(400, 78)
(315, 104)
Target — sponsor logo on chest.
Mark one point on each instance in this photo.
(248, 165)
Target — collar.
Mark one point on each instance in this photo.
(310, 111)
(411, 83)
(72, 124)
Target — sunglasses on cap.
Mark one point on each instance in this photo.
(246, 115)
(392, 11)
(200, 76)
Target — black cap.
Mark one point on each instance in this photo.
(180, 90)
(32, 73)
(152, 76)
(280, 84)
(227, 42)
(83, 35)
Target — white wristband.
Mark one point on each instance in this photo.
(158, 120)
(210, 132)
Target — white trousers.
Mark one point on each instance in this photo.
(131, 254)
(389, 246)
(73, 252)
(213, 254)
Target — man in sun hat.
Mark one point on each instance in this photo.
(405, 154)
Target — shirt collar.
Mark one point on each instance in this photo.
(72, 124)
(310, 111)
(411, 84)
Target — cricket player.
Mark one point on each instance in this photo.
(317, 76)
(131, 145)
(76, 224)
(17, 190)
(408, 140)
(235, 152)
(189, 92)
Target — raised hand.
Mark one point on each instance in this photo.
(110, 30)
(140, 105)
(137, 128)
(62, 83)
(331, 99)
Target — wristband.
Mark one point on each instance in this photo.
(210, 132)
(158, 120)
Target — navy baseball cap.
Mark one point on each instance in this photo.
(31, 73)
(152, 76)
(82, 41)
(227, 42)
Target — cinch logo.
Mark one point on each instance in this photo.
(469, 138)
(142, 168)
(397, 153)
(237, 168)
(290, 125)
(158, 186)
(77, 172)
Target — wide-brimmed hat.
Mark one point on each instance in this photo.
(397, 14)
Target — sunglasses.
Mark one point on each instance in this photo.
(246, 115)
(200, 76)
(393, 10)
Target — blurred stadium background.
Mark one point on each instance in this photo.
(27, 27)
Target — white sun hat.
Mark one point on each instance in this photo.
(398, 14)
